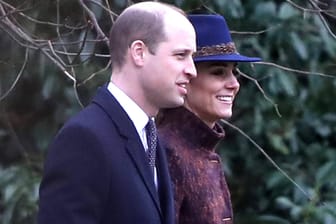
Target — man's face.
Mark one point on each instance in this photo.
(169, 70)
(212, 93)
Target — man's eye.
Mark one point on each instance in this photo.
(181, 55)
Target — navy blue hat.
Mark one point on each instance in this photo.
(214, 41)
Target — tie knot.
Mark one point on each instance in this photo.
(150, 127)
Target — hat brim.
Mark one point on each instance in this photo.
(227, 57)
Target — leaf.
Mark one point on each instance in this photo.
(278, 143)
(265, 11)
(287, 82)
(298, 45)
(271, 219)
(326, 173)
(287, 11)
(284, 203)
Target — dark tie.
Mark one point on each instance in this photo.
(151, 142)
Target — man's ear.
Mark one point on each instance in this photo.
(138, 51)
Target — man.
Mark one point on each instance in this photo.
(97, 170)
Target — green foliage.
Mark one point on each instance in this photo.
(301, 140)
(19, 194)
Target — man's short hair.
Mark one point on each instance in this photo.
(138, 24)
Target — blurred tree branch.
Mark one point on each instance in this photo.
(17, 77)
(64, 52)
(60, 50)
(72, 36)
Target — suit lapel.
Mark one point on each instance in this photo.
(139, 158)
(165, 185)
(134, 146)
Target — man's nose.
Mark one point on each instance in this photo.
(191, 69)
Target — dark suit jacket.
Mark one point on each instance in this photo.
(97, 172)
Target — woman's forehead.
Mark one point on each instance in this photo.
(208, 64)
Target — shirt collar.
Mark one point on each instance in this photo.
(134, 112)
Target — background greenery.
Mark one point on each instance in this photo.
(293, 118)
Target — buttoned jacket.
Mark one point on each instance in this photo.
(97, 172)
(200, 189)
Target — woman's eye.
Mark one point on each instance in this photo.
(218, 72)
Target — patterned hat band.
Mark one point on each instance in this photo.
(228, 48)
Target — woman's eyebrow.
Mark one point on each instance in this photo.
(222, 64)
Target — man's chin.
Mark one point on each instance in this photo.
(176, 103)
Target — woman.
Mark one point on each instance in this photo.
(190, 133)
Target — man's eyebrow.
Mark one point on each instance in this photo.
(184, 49)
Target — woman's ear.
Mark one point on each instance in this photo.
(138, 51)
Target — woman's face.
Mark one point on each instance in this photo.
(211, 94)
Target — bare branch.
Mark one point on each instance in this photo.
(95, 73)
(325, 23)
(55, 44)
(301, 7)
(100, 33)
(108, 10)
(69, 60)
(28, 39)
(16, 138)
(261, 90)
(55, 55)
(300, 72)
(82, 44)
(13, 27)
(19, 12)
(17, 77)
(310, 198)
(316, 9)
(255, 32)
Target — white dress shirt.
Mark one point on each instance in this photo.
(135, 113)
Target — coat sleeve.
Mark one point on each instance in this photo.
(75, 183)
